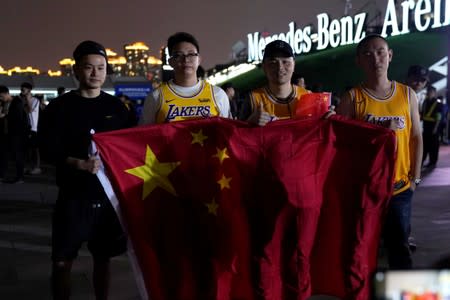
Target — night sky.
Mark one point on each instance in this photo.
(41, 32)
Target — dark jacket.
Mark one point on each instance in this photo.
(17, 118)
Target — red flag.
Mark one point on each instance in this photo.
(312, 105)
(216, 209)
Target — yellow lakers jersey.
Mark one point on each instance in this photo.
(175, 107)
(273, 106)
(395, 106)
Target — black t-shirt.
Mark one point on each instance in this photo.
(65, 131)
(17, 118)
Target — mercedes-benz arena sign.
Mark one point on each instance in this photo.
(350, 29)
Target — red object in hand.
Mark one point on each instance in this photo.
(312, 105)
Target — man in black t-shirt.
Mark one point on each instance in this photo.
(83, 212)
(15, 128)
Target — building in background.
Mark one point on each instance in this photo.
(117, 63)
(136, 55)
(65, 66)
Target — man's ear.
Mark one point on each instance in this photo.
(391, 54)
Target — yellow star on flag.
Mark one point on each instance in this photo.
(212, 207)
(154, 174)
(221, 154)
(224, 182)
(198, 138)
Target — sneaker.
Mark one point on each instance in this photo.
(36, 171)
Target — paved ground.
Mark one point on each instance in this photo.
(25, 217)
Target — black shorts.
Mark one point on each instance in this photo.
(78, 218)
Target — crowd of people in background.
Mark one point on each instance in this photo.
(19, 118)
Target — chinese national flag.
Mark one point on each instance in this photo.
(312, 105)
(217, 209)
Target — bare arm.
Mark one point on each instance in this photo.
(346, 106)
(415, 143)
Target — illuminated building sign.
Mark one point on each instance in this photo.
(350, 29)
(423, 11)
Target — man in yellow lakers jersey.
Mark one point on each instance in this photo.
(394, 105)
(278, 98)
(185, 97)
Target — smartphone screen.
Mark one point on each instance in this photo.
(412, 285)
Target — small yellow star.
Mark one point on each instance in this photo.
(154, 174)
(198, 137)
(221, 154)
(212, 207)
(224, 182)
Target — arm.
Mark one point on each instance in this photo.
(32, 104)
(346, 106)
(259, 116)
(91, 165)
(151, 106)
(222, 102)
(438, 116)
(415, 142)
(253, 113)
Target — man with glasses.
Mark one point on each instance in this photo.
(185, 97)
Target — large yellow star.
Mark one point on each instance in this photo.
(212, 207)
(224, 182)
(198, 138)
(221, 154)
(154, 174)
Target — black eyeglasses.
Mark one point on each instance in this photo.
(181, 56)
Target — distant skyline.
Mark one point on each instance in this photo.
(40, 33)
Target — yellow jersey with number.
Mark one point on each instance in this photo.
(276, 108)
(395, 106)
(175, 107)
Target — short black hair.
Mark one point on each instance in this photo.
(296, 77)
(227, 85)
(4, 89)
(180, 37)
(430, 87)
(367, 39)
(26, 85)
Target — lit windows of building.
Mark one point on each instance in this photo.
(26, 71)
(154, 69)
(66, 66)
(117, 63)
(3, 71)
(54, 73)
(136, 56)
